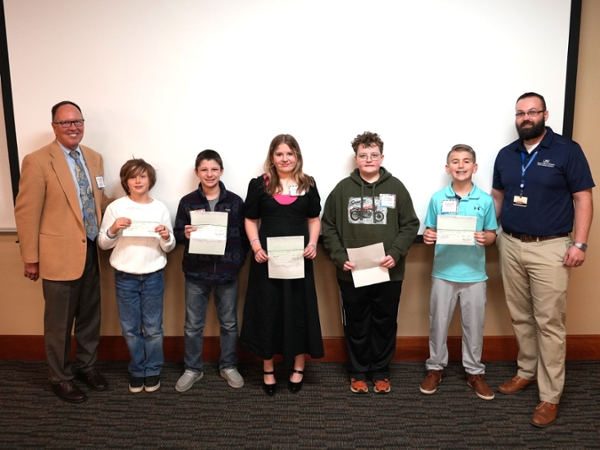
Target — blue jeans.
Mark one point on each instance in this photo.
(196, 301)
(140, 303)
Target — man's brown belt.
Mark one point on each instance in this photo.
(528, 238)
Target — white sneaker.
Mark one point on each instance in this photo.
(233, 377)
(187, 380)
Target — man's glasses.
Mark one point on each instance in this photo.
(530, 113)
(372, 157)
(68, 123)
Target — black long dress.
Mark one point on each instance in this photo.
(281, 317)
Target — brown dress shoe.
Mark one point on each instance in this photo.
(93, 379)
(544, 415)
(431, 381)
(481, 388)
(68, 392)
(517, 384)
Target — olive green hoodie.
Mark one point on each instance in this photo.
(355, 215)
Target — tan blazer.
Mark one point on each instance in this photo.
(48, 216)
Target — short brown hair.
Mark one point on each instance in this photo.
(209, 155)
(368, 139)
(133, 168)
(462, 148)
(533, 94)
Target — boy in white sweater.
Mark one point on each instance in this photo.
(138, 229)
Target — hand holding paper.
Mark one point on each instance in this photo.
(285, 257)
(210, 237)
(119, 224)
(456, 230)
(367, 265)
(142, 224)
(163, 231)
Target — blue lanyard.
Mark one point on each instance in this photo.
(524, 168)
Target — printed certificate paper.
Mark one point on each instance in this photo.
(143, 224)
(366, 260)
(210, 238)
(456, 230)
(285, 257)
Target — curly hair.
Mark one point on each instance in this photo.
(368, 139)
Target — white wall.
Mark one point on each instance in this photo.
(163, 80)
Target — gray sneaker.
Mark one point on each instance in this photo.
(187, 380)
(233, 377)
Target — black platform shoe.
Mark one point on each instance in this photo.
(296, 387)
(270, 389)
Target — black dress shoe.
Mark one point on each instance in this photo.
(93, 379)
(68, 392)
(296, 387)
(270, 389)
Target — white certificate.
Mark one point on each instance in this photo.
(143, 223)
(285, 257)
(456, 230)
(210, 238)
(366, 261)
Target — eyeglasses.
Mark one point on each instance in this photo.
(372, 156)
(68, 123)
(530, 113)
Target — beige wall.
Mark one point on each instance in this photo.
(21, 302)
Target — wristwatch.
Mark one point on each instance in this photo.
(581, 246)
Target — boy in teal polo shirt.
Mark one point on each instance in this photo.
(459, 273)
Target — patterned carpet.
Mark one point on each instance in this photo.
(324, 415)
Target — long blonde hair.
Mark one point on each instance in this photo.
(272, 185)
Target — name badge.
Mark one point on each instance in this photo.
(387, 201)
(450, 206)
(519, 200)
(293, 189)
(100, 182)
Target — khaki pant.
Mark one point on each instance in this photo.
(535, 283)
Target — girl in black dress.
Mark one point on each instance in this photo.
(281, 317)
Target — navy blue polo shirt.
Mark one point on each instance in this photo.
(559, 170)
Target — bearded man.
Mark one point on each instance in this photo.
(542, 184)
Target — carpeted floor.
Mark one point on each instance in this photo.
(325, 414)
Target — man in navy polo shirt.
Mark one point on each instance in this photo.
(542, 183)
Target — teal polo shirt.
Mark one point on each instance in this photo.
(462, 263)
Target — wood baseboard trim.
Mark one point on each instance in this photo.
(113, 348)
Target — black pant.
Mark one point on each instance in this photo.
(370, 315)
(67, 302)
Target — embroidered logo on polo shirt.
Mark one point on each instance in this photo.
(546, 163)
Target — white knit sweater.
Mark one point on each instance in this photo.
(133, 254)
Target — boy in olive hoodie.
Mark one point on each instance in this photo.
(368, 207)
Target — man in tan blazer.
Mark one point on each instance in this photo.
(59, 183)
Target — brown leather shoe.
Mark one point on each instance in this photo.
(93, 379)
(431, 381)
(481, 388)
(544, 415)
(517, 384)
(68, 392)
